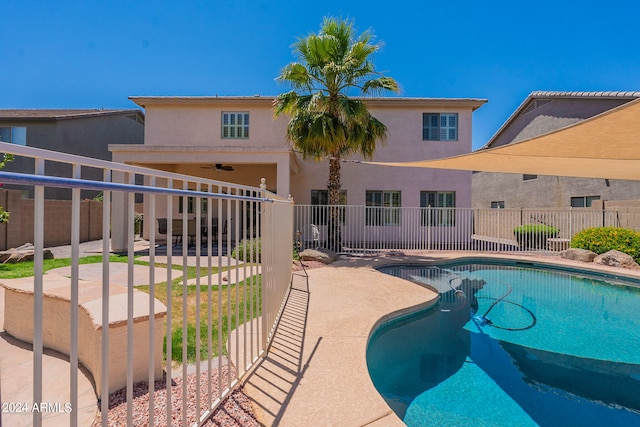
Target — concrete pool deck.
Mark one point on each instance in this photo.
(315, 372)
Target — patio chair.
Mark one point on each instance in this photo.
(310, 236)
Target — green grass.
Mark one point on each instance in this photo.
(26, 268)
(248, 292)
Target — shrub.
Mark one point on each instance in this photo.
(137, 223)
(4, 215)
(534, 235)
(604, 239)
(253, 250)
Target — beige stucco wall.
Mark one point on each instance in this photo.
(404, 143)
(200, 125)
(183, 135)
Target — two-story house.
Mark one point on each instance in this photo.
(237, 139)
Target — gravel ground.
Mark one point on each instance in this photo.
(236, 410)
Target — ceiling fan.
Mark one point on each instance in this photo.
(218, 167)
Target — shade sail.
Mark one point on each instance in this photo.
(603, 146)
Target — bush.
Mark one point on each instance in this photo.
(253, 250)
(534, 235)
(137, 223)
(604, 239)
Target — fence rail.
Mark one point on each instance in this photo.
(210, 318)
(368, 229)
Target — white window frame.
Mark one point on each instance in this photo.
(234, 125)
(383, 207)
(443, 210)
(444, 128)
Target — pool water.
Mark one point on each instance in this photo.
(512, 346)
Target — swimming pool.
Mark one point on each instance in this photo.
(511, 344)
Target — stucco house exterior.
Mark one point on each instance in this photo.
(237, 139)
(85, 132)
(540, 113)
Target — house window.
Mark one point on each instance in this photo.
(583, 202)
(529, 177)
(439, 127)
(383, 207)
(497, 205)
(444, 203)
(235, 125)
(320, 210)
(14, 135)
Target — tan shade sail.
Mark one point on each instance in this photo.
(603, 146)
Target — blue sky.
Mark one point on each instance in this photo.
(95, 54)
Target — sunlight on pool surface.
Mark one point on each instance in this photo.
(512, 346)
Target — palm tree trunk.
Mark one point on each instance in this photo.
(334, 229)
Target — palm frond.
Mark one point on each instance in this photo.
(323, 120)
(377, 86)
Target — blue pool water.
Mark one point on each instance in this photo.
(512, 346)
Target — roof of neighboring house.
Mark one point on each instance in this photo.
(538, 95)
(144, 101)
(60, 114)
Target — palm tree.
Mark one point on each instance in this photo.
(324, 121)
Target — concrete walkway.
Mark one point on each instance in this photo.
(315, 372)
(16, 380)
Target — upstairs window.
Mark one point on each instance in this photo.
(235, 125)
(444, 202)
(529, 177)
(440, 127)
(497, 205)
(14, 135)
(383, 207)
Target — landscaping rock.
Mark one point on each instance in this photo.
(616, 259)
(22, 253)
(576, 254)
(322, 255)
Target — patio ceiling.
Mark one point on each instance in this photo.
(603, 146)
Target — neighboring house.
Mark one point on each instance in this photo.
(81, 132)
(237, 139)
(540, 113)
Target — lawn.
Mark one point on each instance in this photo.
(224, 302)
(26, 268)
(245, 297)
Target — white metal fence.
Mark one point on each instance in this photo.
(212, 315)
(365, 229)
